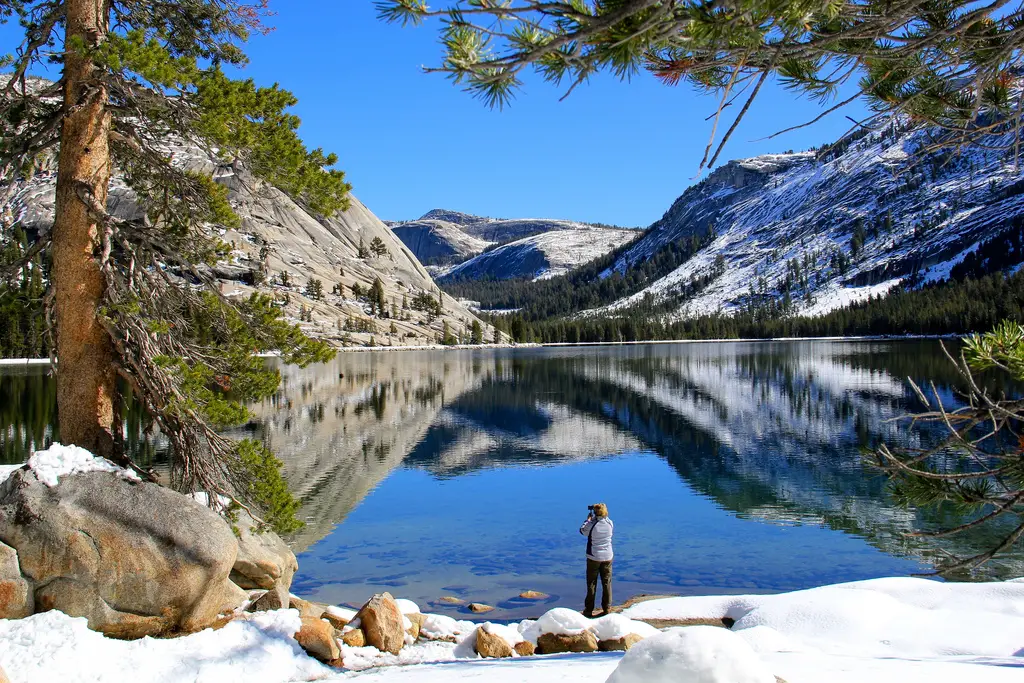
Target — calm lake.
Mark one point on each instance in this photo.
(727, 467)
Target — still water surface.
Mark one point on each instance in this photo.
(730, 467)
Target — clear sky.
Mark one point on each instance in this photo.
(612, 152)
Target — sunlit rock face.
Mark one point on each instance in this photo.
(300, 245)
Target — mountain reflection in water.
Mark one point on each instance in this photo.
(433, 472)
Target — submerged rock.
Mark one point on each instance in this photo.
(479, 607)
(133, 558)
(382, 623)
(533, 595)
(451, 600)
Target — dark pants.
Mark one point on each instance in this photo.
(604, 569)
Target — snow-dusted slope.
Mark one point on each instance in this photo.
(445, 238)
(914, 217)
(438, 242)
(542, 256)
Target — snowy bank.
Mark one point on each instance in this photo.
(893, 617)
(899, 630)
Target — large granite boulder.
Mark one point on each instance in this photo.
(263, 561)
(133, 558)
(383, 624)
(15, 593)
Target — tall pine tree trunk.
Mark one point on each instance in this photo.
(86, 381)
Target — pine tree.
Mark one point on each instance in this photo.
(315, 289)
(975, 468)
(122, 97)
(377, 300)
(812, 47)
(378, 247)
(476, 333)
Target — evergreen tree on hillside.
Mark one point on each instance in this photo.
(140, 81)
(948, 64)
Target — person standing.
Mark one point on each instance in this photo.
(598, 529)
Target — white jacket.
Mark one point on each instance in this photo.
(598, 531)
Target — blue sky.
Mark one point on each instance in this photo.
(612, 152)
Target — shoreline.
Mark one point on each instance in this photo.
(15, 362)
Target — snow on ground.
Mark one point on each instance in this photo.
(835, 295)
(53, 648)
(900, 630)
(894, 617)
(58, 461)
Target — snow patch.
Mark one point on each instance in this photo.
(697, 654)
(60, 461)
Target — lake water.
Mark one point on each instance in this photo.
(727, 467)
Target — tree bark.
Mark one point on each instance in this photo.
(86, 379)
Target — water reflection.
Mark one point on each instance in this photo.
(417, 449)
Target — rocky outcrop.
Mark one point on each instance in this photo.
(490, 645)
(317, 638)
(15, 593)
(479, 607)
(525, 648)
(133, 558)
(382, 623)
(283, 245)
(554, 643)
(263, 561)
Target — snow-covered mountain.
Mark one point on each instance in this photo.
(822, 229)
(465, 246)
(541, 256)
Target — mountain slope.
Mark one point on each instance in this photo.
(282, 246)
(449, 239)
(810, 232)
(542, 256)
